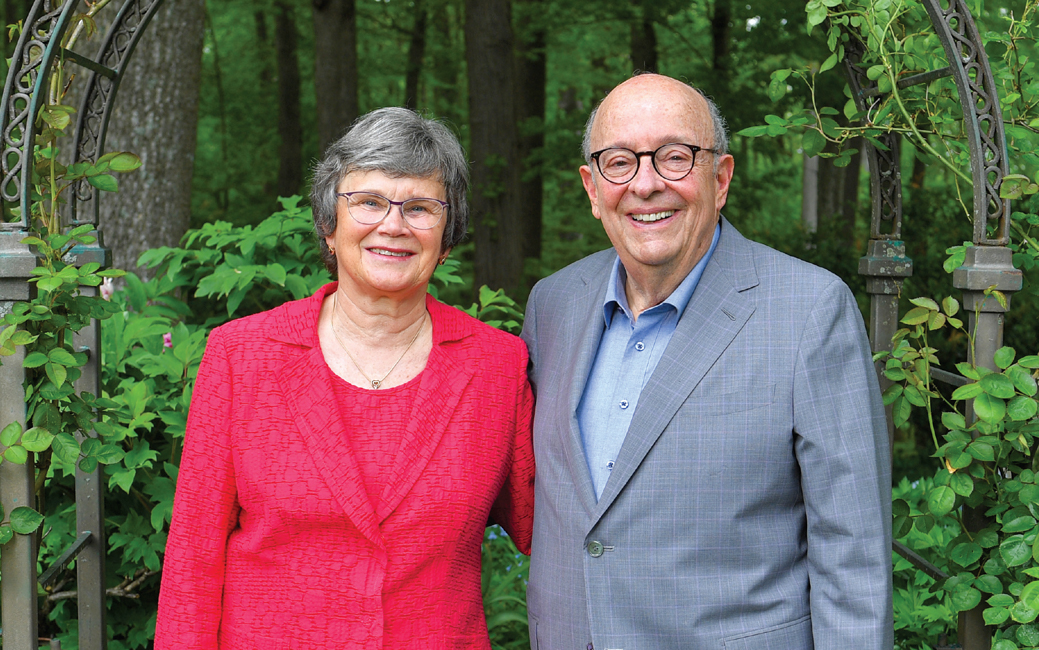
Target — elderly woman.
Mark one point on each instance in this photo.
(345, 452)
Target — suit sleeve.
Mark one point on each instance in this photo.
(514, 507)
(841, 444)
(205, 510)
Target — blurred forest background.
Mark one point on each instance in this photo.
(230, 102)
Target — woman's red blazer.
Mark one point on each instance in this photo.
(274, 542)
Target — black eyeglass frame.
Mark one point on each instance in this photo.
(653, 157)
(444, 204)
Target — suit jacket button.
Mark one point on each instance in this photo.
(595, 549)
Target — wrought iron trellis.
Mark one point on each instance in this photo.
(988, 262)
(40, 46)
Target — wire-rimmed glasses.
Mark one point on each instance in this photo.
(369, 208)
(673, 161)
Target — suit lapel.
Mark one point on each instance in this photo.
(442, 385)
(586, 306)
(714, 316)
(306, 385)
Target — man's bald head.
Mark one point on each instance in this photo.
(640, 84)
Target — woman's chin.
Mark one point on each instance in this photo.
(392, 283)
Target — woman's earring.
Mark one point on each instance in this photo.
(442, 260)
(332, 251)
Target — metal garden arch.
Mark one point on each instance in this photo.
(38, 48)
(988, 262)
(885, 265)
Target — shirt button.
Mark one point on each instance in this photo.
(623, 404)
(640, 346)
(595, 549)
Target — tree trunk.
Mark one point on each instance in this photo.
(644, 40)
(839, 195)
(335, 68)
(156, 116)
(810, 193)
(721, 63)
(498, 223)
(416, 53)
(531, 73)
(445, 65)
(290, 152)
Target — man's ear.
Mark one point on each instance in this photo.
(590, 189)
(722, 178)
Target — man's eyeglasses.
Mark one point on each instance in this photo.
(673, 161)
(369, 209)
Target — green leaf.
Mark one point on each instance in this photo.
(966, 554)
(1019, 524)
(104, 182)
(1022, 613)
(1004, 357)
(967, 391)
(25, 520)
(941, 501)
(123, 161)
(63, 357)
(109, 454)
(816, 15)
(275, 273)
(6, 534)
(1031, 361)
(1015, 551)
(982, 451)
(989, 408)
(996, 615)
(951, 306)
(17, 455)
(1022, 408)
(989, 584)
(1028, 635)
(776, 89)
(812, 142)
(963, 600)
(10, 434)
(1029, 494)
(34, 360)
(1023, 380)
(998, 385)
(953, 421)
(753, 131)
(1004, 644)
(962, 484)
(829, 62)
(37, 439)
(916, 316)
(65, 448)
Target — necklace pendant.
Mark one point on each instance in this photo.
(376, 383)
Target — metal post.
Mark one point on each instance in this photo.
(884, 265)
(18, 606)
(983, 267)
(90, 502)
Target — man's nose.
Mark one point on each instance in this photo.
(647, 180)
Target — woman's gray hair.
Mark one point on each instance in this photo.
(721, 136)
(397, 142)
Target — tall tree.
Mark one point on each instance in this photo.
(156, 116)
(494, 145)
(416, 53)
(644, 38)
(290, 152)
(335, 67)
(531, 76)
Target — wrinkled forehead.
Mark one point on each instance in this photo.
(644, 115)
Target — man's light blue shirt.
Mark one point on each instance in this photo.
(628, 354)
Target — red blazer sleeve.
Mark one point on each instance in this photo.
(514, 507)
(205, 510)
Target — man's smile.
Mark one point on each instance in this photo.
(655, 216)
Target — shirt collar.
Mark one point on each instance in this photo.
(679, 298)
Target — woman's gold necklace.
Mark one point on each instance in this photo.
(376, 383)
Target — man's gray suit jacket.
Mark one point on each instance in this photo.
(750, 505)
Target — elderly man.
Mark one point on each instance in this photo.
(713, 465)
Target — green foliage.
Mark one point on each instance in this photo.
(923, 611)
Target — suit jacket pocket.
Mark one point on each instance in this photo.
(745, 399)
(796, 635)
(533, 629)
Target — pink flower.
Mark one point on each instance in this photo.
(167, 340)
(107, 287)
